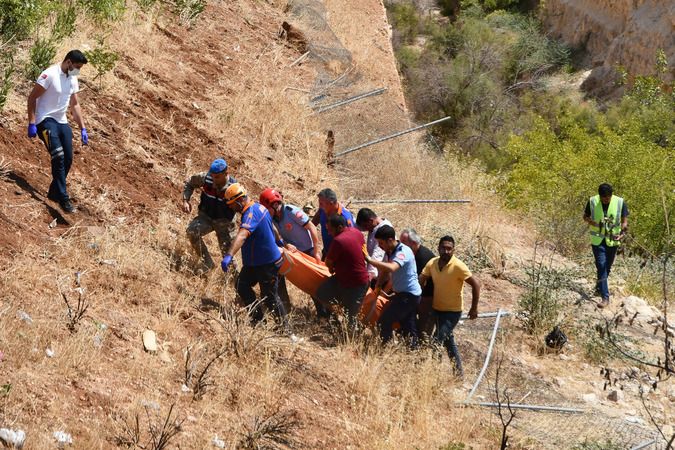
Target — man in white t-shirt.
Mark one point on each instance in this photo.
(55, 89)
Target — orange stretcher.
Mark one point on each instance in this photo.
(307, 274)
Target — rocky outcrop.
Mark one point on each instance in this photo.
(615, 32)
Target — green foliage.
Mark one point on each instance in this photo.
(533, 53)
(406, 21)
(42, 53)
(541, 304)
(20, 18)
(6, 71)
(407, 58)
(555, 173)
(487, 6)
(102, 58)
(598, 445)
(189, 10)
(453, 446)
(102, 11)
(64, 23)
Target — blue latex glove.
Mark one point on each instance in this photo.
(32, 130)
(85, 136)
(225, 263)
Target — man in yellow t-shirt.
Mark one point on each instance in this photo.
(449, 275)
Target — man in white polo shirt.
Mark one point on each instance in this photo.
(54, 90)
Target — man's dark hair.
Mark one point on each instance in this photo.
(328, 194)
(605, 190)
(385, 232)
(364, 215)
(76, 57)
(337, 220)
(447, 238)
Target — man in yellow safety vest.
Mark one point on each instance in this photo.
(607, 217)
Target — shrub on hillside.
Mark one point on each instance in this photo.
(104, 10)
(555, 171)
(540, 306)
(42, 53)
(405, 20)
(19, 19)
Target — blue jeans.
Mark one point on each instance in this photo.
(58, 138)
(402, 309)
(446, 321)
(604, 258)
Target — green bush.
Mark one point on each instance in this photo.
(42, 53)
(20, 18)
(598, 445)
(6, 72)
(406, 21)
(64, 23)
(189, 10)
(102, 58)
(541, 305)
(104, 10)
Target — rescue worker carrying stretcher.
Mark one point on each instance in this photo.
(295, 228)
(260, 254)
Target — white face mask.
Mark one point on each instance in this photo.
(73, 72)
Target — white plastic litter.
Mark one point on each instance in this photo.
(23, 315)
(13, 438)
(63, 438)
(49, 352)
(218, 442)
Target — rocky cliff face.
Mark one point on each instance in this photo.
(615, 32)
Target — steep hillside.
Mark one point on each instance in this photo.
(625, 33)
(229, 86)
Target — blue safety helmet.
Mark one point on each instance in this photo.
(218, 166)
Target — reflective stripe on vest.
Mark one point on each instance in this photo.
(607, 229)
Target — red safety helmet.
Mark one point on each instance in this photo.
(269, 196)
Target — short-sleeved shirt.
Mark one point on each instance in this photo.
(292, 229)
(323, 218)
(422, 257)
(587, 209)
(346, 253)
(448, 283)
(374, 250)
(405, 278)
(56, 98)
(260, 247)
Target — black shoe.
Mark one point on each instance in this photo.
(53, 198)
(67, 206)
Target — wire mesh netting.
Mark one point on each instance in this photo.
(545, 429)
(339, 77)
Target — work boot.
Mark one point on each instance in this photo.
(604, 302)
(67, 206)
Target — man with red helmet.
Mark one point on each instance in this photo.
(295, 228)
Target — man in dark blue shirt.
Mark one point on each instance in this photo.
(260, 254)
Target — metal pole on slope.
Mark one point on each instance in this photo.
(644, 445)
(320, 109)
(390, 136)
(530, 407)
(416, 200)
(487, 358)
